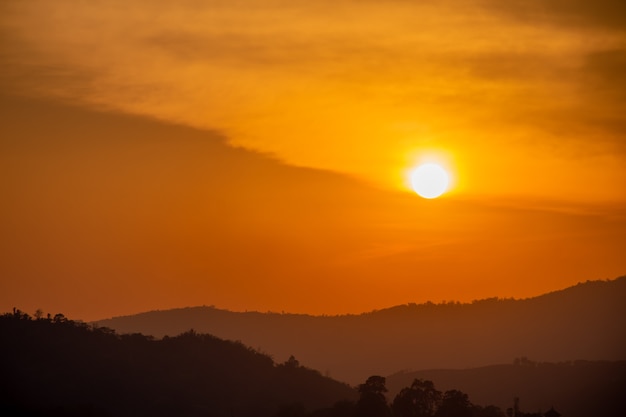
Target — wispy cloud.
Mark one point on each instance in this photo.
(350, 86)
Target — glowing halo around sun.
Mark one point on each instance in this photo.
(430, 180)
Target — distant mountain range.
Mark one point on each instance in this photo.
(56, 367)
(586, 321)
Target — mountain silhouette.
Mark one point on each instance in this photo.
(585, 321)
(575, 389)
(57, 367)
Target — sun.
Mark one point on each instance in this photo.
(430, 180)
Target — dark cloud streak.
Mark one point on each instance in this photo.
(601, 14)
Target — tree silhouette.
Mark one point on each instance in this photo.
(372, 401)
(421, 399)
(455, 404)
(292, 362)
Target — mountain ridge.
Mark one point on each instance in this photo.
(575, 389)
(374, 311)
(55, 366)
(584, 321)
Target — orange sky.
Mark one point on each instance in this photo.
(254, 155)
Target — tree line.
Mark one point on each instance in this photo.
(53, 366)
(422, 399)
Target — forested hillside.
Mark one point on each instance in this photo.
(586, 321)
(575, 389)
(53, 366)
(57, 367)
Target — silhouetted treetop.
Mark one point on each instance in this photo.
(56, 366)
(421, 399)
(372, 401)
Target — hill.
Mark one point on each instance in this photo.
(585, 321)
(575, 389)
(57, 367)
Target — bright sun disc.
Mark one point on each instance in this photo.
(429, 180)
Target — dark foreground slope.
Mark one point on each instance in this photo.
(575, 389)
(53, 367)
(586, 321)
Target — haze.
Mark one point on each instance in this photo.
(254, 155)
